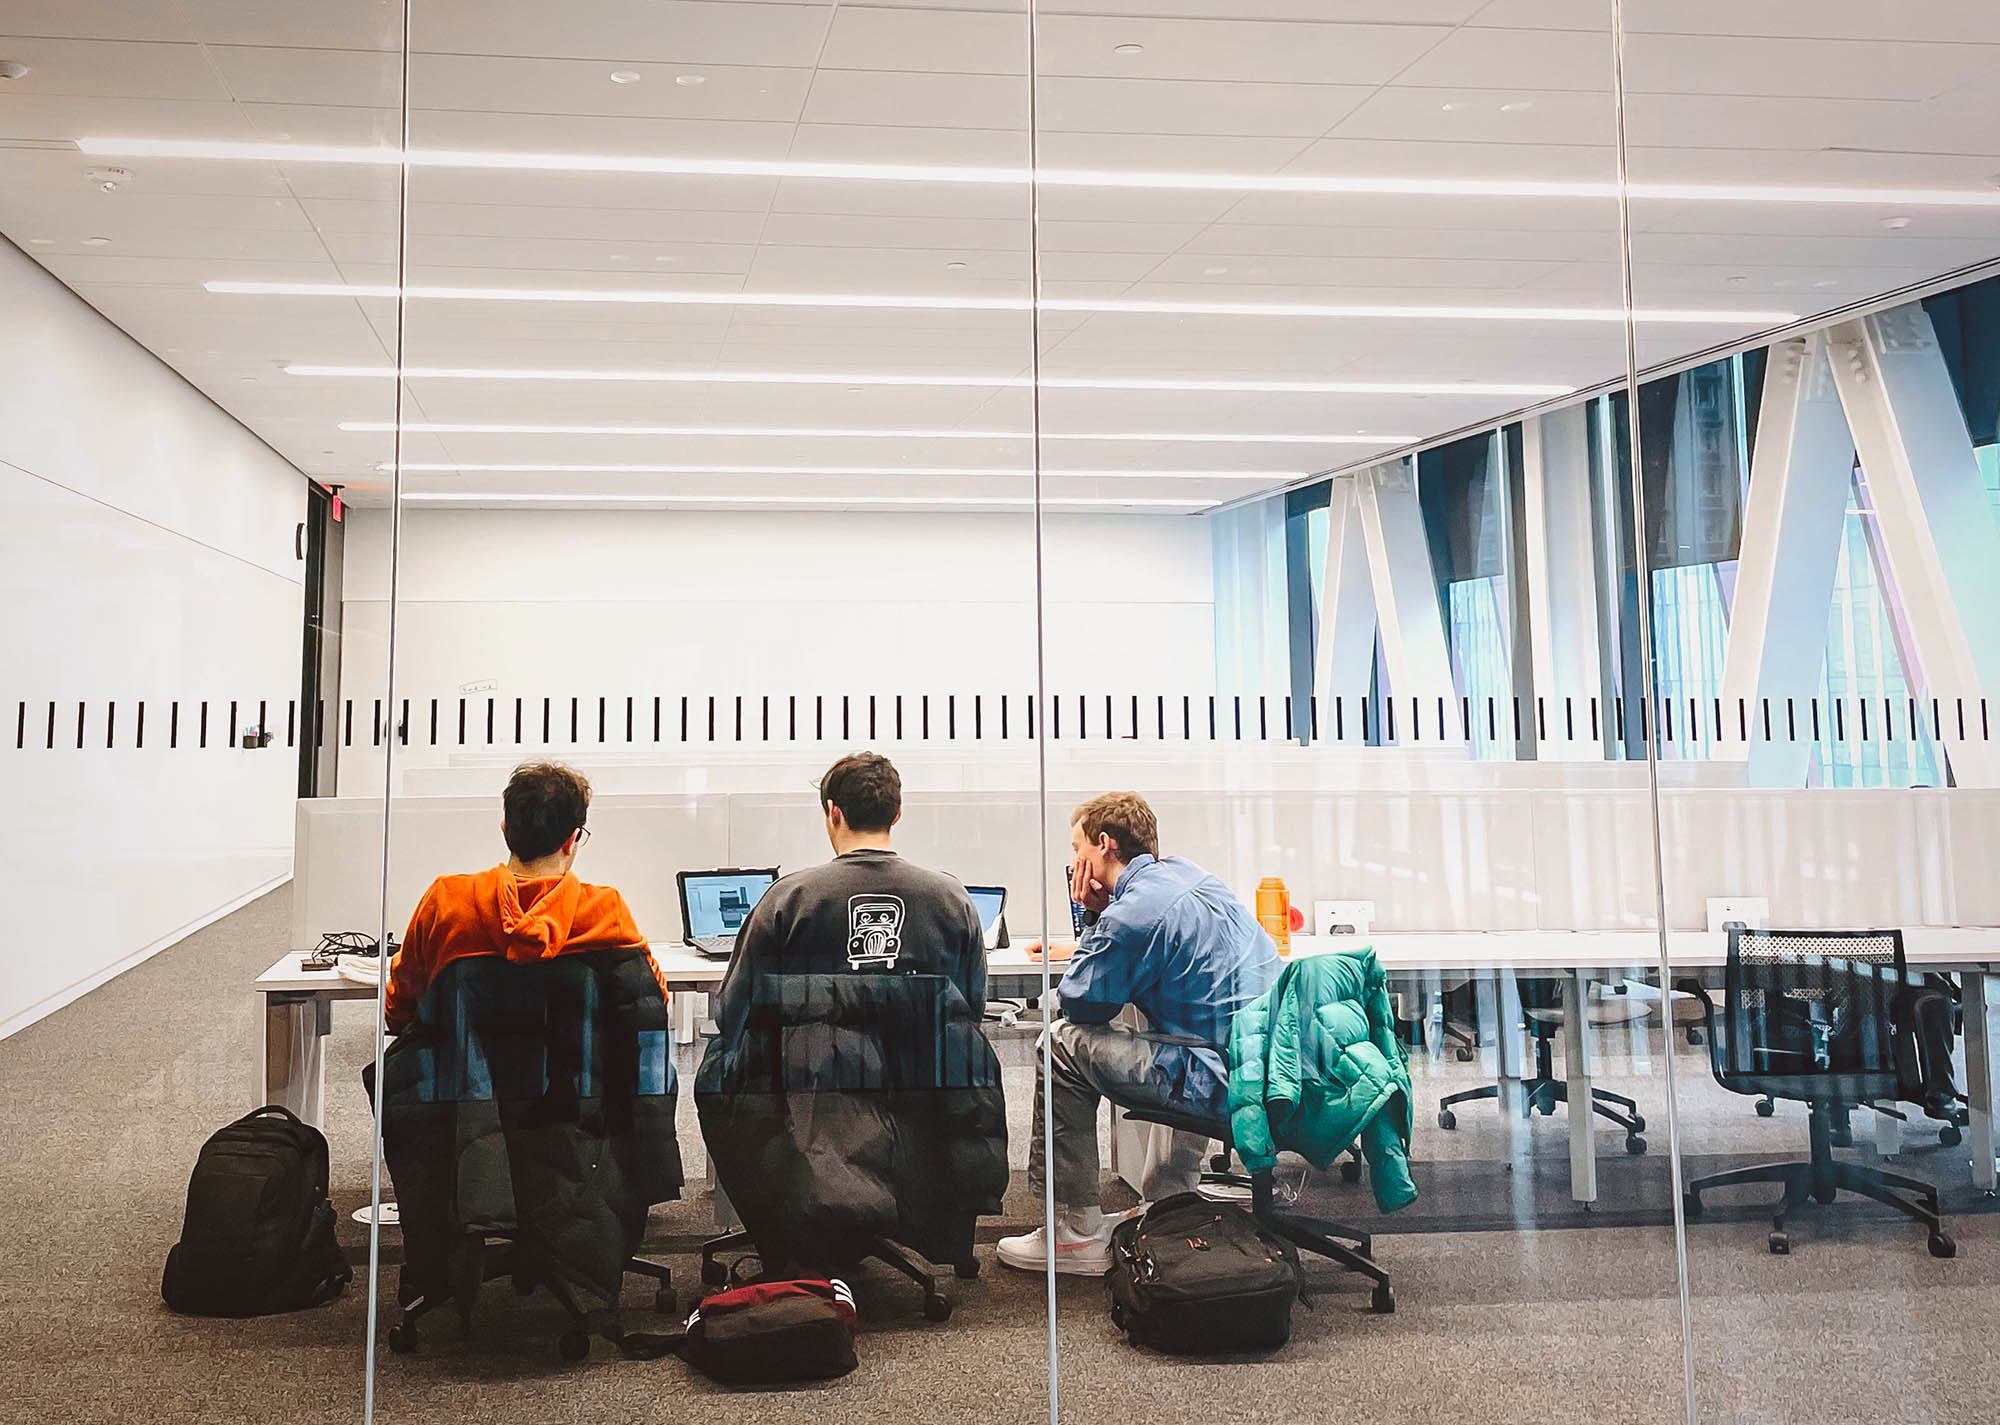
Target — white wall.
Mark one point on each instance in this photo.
(146, 554)
(601, 604)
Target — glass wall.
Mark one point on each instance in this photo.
(1826, 640)
(1423, 570)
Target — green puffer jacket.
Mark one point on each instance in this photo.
(1315, 1064)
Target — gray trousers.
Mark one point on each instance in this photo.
(1089, 1063)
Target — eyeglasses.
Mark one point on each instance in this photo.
(582, 837)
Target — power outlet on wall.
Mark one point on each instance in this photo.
(1343, 917)
(1753, 911)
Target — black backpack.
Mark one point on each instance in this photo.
(1200, 1278)
(258, 1235)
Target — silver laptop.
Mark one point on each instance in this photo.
(714, 905)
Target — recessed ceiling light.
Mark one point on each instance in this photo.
(41, 242)
(666, 257)
(249, 380)
(1515, 106)
(621, 257)
(856, 383)
(927, 472)
(1736, 281)
(1455, 106)
(954, 267)
(1394, 185)
(625, 76)
(992, 502)
(1826, 282)
(12, 69)
(690, 81)
(969, 303)
(1214, 271)
(97, 242)
(851, 433)
(1896, 224)
(1128, 49)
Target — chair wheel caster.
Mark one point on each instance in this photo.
(403, 1339)
(1447, 1120)
(1464, 1055)
(1841, 1138)
(713, 1273)
(967, 1269)
(1638, 1124)
(573, 1345)
(1350, 1171)
(1941, 1245)
(1634, 1144)
(1219, 1163)
(1384, 1300)
(663, 1301)
(1690, 1206)
(1694, 1038)
(1765, 1108)
(1950, 1136)
(937, 1308)
(1780, 1244)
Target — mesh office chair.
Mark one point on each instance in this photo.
(1810, 1016)
(1542, 1007)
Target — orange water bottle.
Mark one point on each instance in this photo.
(1274, 912)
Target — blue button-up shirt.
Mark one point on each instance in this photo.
(1175, 943)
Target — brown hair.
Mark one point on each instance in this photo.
(545, 804)
(1125, 817)
(866, 788)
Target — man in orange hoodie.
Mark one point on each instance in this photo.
(530, 908)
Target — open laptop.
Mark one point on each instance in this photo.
(991, 903)
(714, 905)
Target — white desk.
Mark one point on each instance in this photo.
(295, 1009)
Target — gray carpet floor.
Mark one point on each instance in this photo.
(1515, 1304)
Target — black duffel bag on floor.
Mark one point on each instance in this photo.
(258, 1235)
(1200, 1278)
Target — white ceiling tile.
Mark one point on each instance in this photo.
(1522, 61)
(1172, 106)
(681, 32)
(255, 74)
(1405, 113)
(1337, 52)
(950, 101)
(1803, 67)
(504, 84)
(941, 41)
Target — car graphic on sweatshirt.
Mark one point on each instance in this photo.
(874, 932)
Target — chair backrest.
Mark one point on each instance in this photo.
(1810, 1013)
(863, 1033)
(563, 1030)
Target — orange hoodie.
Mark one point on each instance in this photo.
(495, 912)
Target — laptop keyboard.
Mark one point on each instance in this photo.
(715, 944)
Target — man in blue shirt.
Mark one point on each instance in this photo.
(1168, 938)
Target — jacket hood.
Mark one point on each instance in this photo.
(530, 918)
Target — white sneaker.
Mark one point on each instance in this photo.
(1078, 1254)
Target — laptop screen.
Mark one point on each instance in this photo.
(988, 901)
(717, 903)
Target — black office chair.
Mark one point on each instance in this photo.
(528, 1126)
(1809, 1016)
(1311, 1234)
(855, 1116)
(1542, 1008)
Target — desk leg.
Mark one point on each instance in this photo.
(1578, 1048)
(293, 1063)
(1510, 1062)
(1979, 1064)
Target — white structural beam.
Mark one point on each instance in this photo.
(1415, 652)
(1800, 478)
(1345, 658)
(1933, 517)
(1560, 567)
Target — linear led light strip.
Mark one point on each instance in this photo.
(898, 302)
(117, 147)
(1066, 383)
(453, 467)
(836, 433)
(1008, 502)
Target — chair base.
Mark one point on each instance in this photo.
(937, 1306)
(482, 1260)
(1821, 1179)
(1544, 1094)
